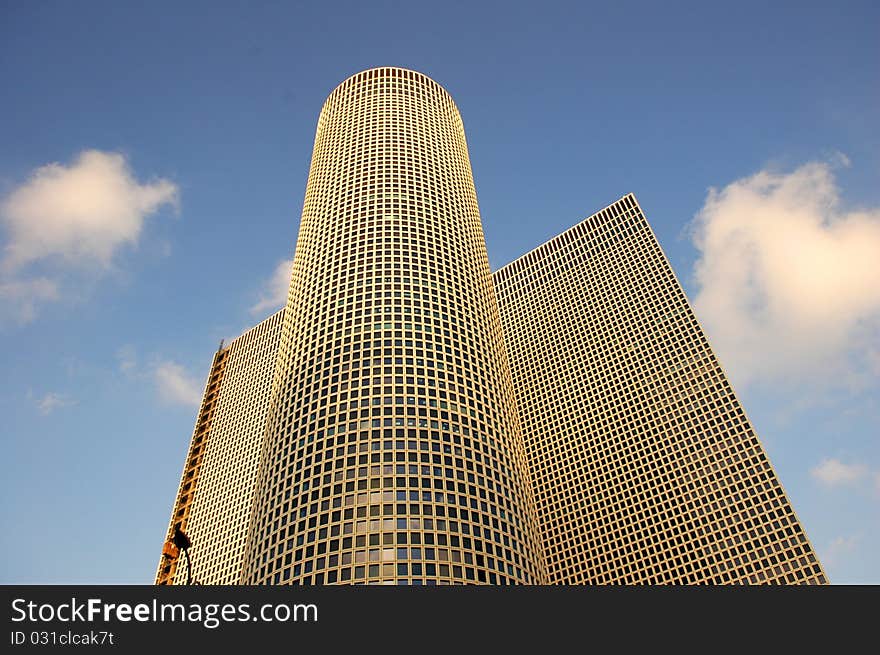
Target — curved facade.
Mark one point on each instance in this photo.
(393, 452)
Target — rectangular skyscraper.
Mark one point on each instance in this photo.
(644, 465)
(217, 486)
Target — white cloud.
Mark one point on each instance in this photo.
(71, 217)
(833, 472)
(275, 295)
(52, 401)
(82, 212)
(175, 385)
(838, 549)
(789, 283)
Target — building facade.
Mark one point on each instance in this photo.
(216, 491)
(646, 468)
(390, 440)
(393, 452)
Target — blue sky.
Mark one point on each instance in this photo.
(192, 124)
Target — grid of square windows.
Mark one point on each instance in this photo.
(393, 452)
(214, 499)
(221, 508)
(370, 433)
(645, 467)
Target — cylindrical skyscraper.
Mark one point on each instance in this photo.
(393, 452)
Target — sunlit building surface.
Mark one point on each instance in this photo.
(217, 487)
(393, 452)
(396, 427)
(646, 468)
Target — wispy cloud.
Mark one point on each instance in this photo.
(274, 296)
(71, 217)
(22, 296)
(175, 385)
(126, 356)
(52, 401)
(833, 472)
(789, 283)
(839, 548)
